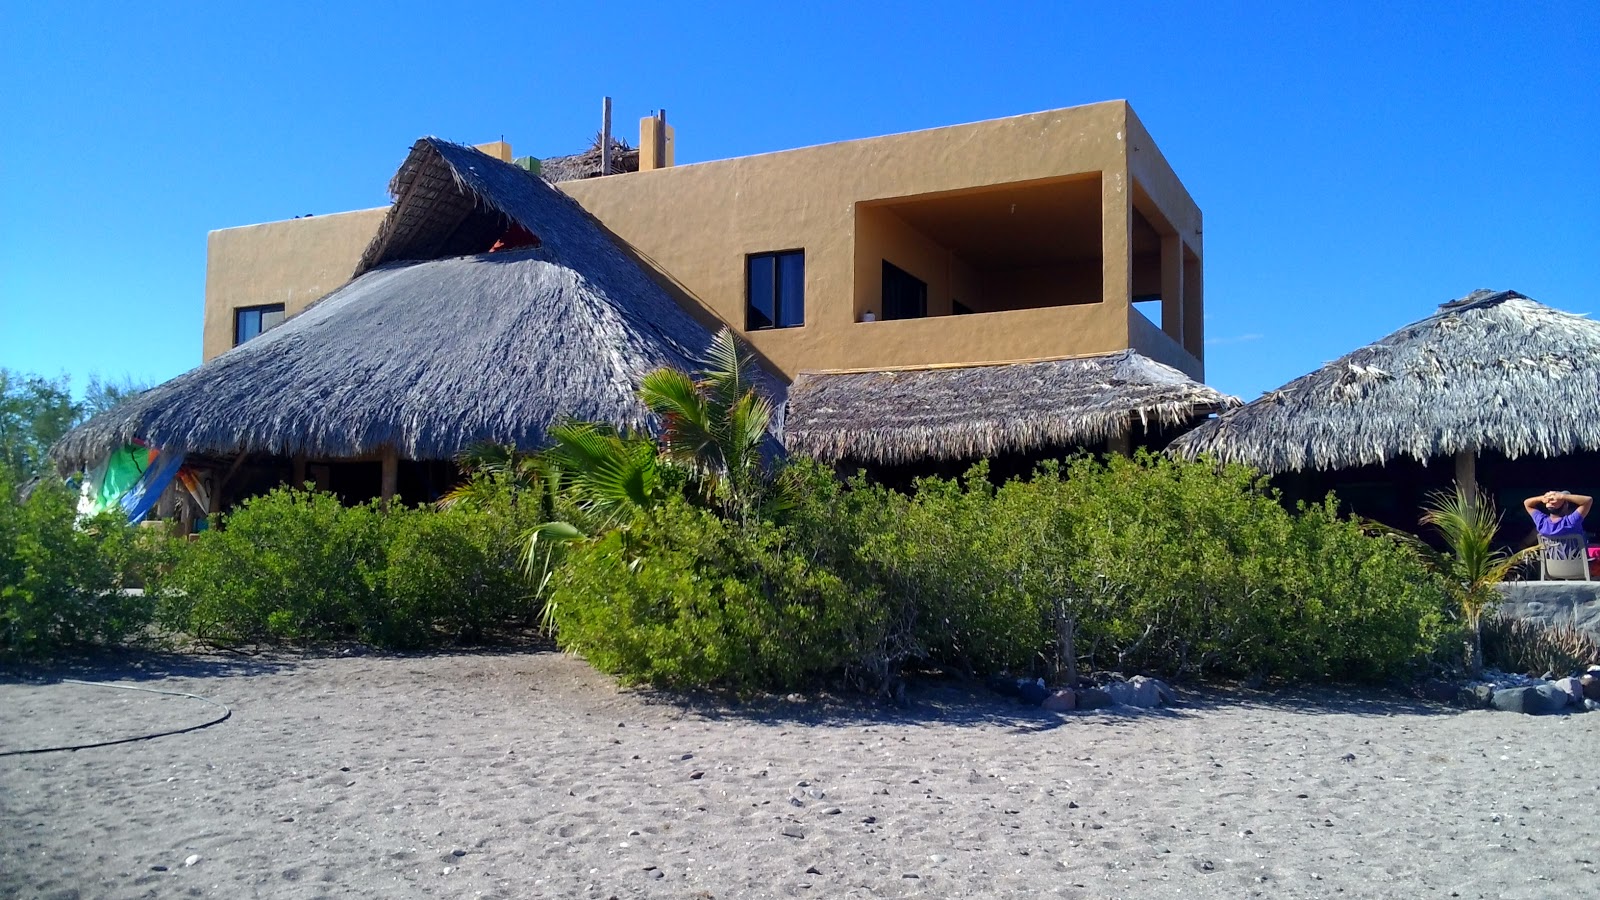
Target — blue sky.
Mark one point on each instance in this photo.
(1356, 164)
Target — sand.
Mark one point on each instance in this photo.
(527, 774)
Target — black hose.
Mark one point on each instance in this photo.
(226, 712)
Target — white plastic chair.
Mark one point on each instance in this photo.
(1563, 558)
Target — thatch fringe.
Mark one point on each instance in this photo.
(979, 411)
(1493, 370)
(587, 164)
(431, 357)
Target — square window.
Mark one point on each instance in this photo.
(250, 321)
(775, 290)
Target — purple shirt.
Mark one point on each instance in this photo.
(1551, 526)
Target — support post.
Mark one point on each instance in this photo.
(391, 474)
(1467, 475)
(605, 136)
(1172, 287)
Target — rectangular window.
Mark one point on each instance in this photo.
(775, 290)
(904, 295)
(250, 321)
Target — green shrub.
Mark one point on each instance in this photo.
(455, 571)
(289, 565)
(59, 581)
(682, 598)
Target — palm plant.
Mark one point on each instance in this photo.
(1473, 565)
(715, 426)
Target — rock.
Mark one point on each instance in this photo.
(458, 853)
(191, 860)
(1476, 696)
(687, 756)
(1536, 700)
(1591, 685)
(1061, 701)
(1573, 688)
(1591, 705)
(1094, 698)
(158, 868)
(794, 831)
(1033, 692)
(697, 775)
(1439, 691)
(832, 811)
(869, 820)
(813, 870)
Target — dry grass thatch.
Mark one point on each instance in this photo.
(587, 163)
(1490, 371)
(977, 411)
(429, 357)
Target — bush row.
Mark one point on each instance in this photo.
(1143, 564)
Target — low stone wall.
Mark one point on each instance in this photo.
(1554, 603)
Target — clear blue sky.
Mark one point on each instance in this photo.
(1356, 165)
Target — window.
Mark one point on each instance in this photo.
(252, 320)
(904, 295)
(775, 290)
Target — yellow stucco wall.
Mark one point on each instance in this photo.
(295, 262)
(699, 222)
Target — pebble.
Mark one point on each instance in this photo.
(158, 868)
(458, 853)
(796, 801)
(687, 756)
(191, 860)
(832, 811)
(813, 870)
(869, 820)
(697, 775)
(794, 831)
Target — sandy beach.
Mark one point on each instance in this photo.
(527, 774)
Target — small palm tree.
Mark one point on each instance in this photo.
(1473, 565)
(716, 425)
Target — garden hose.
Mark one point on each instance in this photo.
(226, 712)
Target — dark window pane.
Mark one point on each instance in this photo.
(904, 295)
(271, 317)
(759, 312)
(246, 325)
(791, 290)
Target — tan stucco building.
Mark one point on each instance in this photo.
(1020, 239)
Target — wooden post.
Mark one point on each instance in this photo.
(1467, 475)
(391, 474)
(605, 136)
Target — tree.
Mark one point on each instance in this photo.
(36, 411)
(1473, 565)
(716, 426)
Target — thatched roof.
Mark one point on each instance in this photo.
(587, 163)
(1491, 371)
(977, 411)
(430, 357)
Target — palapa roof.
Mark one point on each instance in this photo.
(896, 416)
(430, 357)
(587, 164)
(1493, 370)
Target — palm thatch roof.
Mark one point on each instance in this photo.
(978, 411)
(587, 163)
(1493, 370)
(430, 357)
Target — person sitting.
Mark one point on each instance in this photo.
(1558, 514)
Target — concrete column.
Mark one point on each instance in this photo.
(1116, 251)
(1194, 303)
(1172, 287)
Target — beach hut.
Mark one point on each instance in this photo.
(1493, 378)
(488, 306)
(959, 414)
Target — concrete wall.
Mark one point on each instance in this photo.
(699, 222)
(295, 262)
(1575, 603)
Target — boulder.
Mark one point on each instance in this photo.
(1591, 686)
(1139, 691)
(1439, 691)
(1033, 692)
(1477, 696)
(1535, 700)
(1573, 688)
(1061, 701)
(1094, 698)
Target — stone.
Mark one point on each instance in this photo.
(1094, 698)
(1591, 705)
(1591, 685)
(1061, 701)
(1477, 696)
(697, 775)
(191, 860)
(1573, 688)
(458, 853)
(1140, 692)
(1033, 693)
(794, 831)
(1439, 691)
(813, 870)
(1534, 700)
